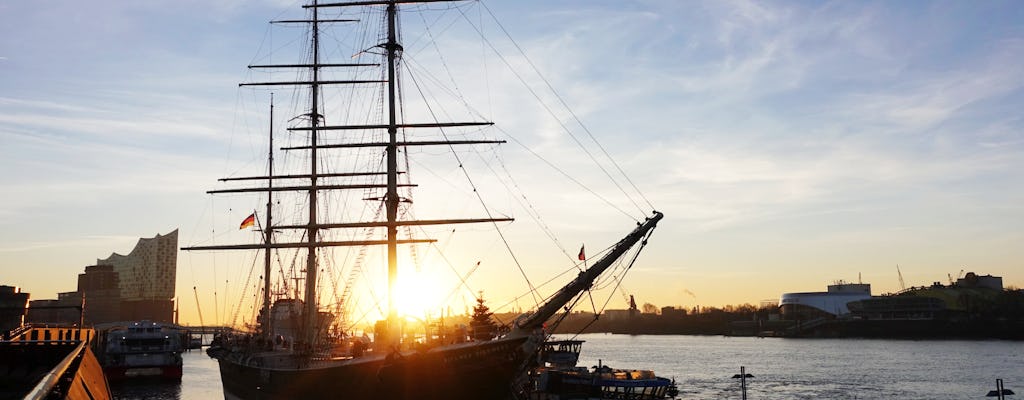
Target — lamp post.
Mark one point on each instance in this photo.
(1000, 392)
(742, 376)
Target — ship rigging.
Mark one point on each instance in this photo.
(267, 364)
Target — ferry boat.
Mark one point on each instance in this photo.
(141, 349)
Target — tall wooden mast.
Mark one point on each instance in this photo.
(311, 313)
(527, 324)
(312, 227)
(391, 200)
(268, 233)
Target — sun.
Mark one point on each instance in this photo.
(418, 294)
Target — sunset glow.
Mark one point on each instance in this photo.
(418, 294)
(789, 145)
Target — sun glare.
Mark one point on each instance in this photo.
(418, 294)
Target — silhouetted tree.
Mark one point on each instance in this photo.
(481, 326)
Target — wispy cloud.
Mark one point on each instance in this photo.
(919, 102)
(833, 123)
(111, 241)
(780, 121)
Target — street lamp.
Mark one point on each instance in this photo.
(1000, 391)
(742, 376)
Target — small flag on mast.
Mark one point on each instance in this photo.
(583, 255)
(249, 221)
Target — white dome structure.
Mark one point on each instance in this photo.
(832, 303)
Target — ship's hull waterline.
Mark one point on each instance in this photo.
(477, 371)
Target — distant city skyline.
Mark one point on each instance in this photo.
(789, 144)
(122, 287)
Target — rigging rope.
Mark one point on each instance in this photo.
(522, 200)
(555, 117)
(574, 116)
(476, 192)
(643, 244)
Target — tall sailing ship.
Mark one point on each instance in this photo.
(291, 352)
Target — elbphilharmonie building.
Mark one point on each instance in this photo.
(145, 278)
(132, 287)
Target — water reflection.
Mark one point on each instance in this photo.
(146, 390)
(200, 380)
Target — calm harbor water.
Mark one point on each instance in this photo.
(200, 380)
(817, 368)
(782, 368)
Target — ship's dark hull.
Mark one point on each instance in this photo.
(484, 370)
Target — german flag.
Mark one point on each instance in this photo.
(249, 221)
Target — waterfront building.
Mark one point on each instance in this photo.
(99, 286)
(618, 315)
(65, 309)
(673, 312)
(132, 287)
(828, 304)
(900, 307)
(12, 307)
(970, 294)
(146, 278)
(972, 280)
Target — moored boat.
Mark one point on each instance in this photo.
(560, 379)
(601, 383)
(141, 349)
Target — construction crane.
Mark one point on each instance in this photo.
(622, 290)
(958, 276)
(903, 286)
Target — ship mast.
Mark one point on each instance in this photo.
(311, 313)
(312, 227)
(268, 234)
(391, 199)
(530, 322)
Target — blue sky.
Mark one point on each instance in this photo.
(790, 144)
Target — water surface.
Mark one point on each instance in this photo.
(817, 368)
(782, 368)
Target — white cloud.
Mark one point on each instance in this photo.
(728, 115)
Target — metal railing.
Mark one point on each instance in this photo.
(51, 379)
